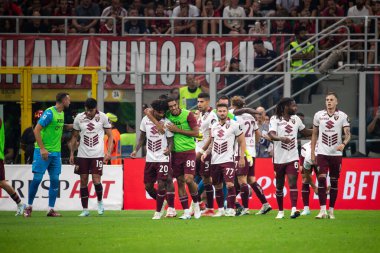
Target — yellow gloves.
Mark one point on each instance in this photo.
(249, 158)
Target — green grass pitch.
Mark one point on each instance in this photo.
(135, 231)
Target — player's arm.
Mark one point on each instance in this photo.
(241, 142)
(208, 150)
(139, 144)
(207, 143)
(314, 138)
(241, 111)
(37, 135)
(68, 127)
(169, 149)
(73, 145)
(149, 113)
(306, 132)
(257, 136)
(274, 137)
(107, 156)
(347, 138)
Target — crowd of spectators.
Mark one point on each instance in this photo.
(120, 9)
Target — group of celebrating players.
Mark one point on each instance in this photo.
(212, 153)
(218, 146)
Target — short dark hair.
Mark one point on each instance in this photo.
(170, 100)
(299, 29)
(204, 95)
(222, 105)
(159, 105)
(223, 97)
(90, 103)
(258, 42)
(163, 97)
(332, 93)
(60, 96)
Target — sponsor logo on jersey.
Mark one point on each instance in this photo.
(220, 133)
(329, 124)
(90, 126)
(288, 129)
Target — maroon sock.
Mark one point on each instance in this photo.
(152, 192)
(84, 197)
(209, 195)
(195, 197)
(293, 195)
(160, 199)
(280, 199)
(333, 191)
(259, 192)
(16, 198)
(184, 202)
(170, 199)
(244, 193)
(231, 197)
(219, 197)
(305, 194)
(322, 190)
(99, 191)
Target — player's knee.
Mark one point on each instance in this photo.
(2, 183)
(229, 185)
(189, 179)
(242, 180)
(149, 186)
(37, 177)
(161, 185)
(251, 180)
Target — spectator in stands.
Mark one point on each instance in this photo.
(301, 56)
(309, 7)
(185, 10)
(86, 9)
(262, 57)
(36, 25)
(107, 27)
(288, 5)
(268, 7)
(281, 26)
(63, 10)
(308, 23)
(371, 54)
(332, 10)
(174, 93)
(149, 13)
(254, 11)
(160, 26)
(6, 26)
(376, 8)
(233, 66)
(188, 94)
(234, 26)
(115, 10)
(134, 26)
(359, 10)
(139, 6)
(10, 8)
(209, 26)
(373, 130)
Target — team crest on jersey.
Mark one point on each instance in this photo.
(227, 125)
(97, 118)
(213, 121)
(205, 115)
(336, 117)
(293, 121)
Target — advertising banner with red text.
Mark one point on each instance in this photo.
(20, 177)
(120, 54)
(358, 186)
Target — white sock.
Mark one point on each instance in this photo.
(306, 208)
(85, 209)
(221, 209)
(20, 204)
(50, 208)
(323, 208)
(331, 209)
(281, 212)
(294, 209)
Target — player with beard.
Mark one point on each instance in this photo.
(184, 126)
(90, 125)
(224, 134)
(283, 129)
(206, 119)
(158, 167)
(246, 175)
(327, 131)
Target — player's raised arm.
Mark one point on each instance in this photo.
(149, 113)
(241, 111)
(194, 132)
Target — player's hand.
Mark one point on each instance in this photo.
(172, 128)
(161, 128)
(340, 147)
(133, 154)
(166, 151)
(285, 140)
(203, 157)
(107, 157)
(313, 161)
(44, 153)
(71, 160)
(241, 162)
